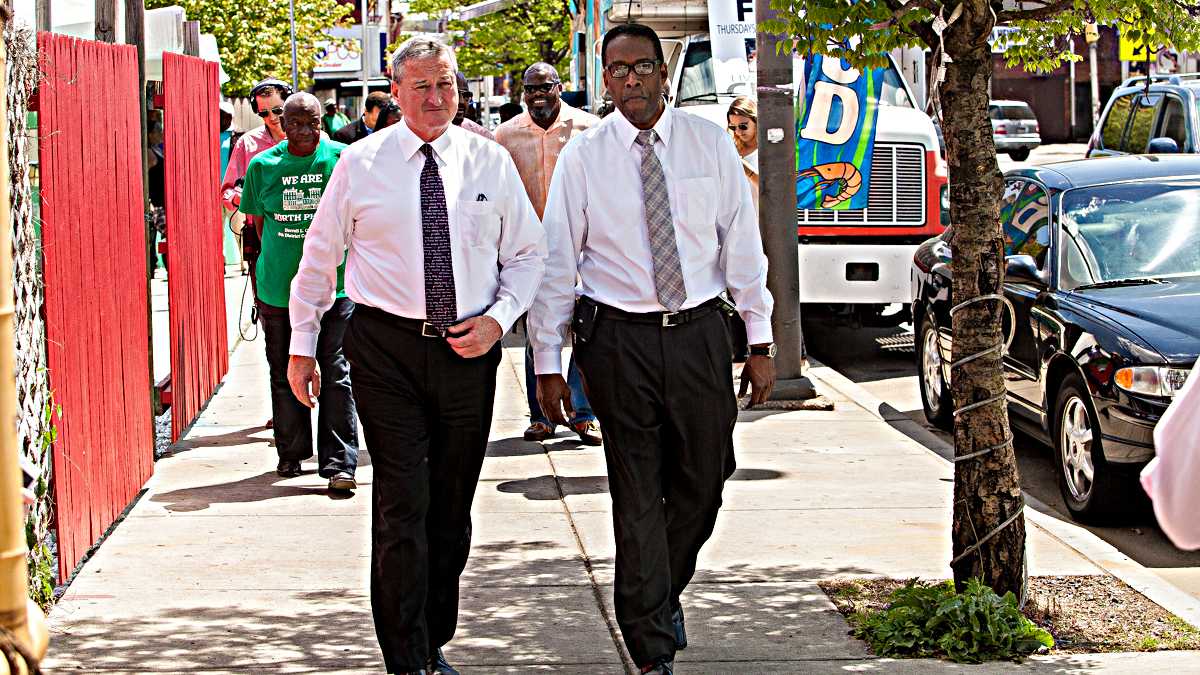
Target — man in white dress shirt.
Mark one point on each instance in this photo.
(651, 210)
(443, 253)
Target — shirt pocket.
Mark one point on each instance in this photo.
(699, 212)
(699, 200)
(480, 223)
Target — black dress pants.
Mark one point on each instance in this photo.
(426, 413)
(337, 421)
(664, 397)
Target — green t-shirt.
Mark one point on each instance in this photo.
(285, 190)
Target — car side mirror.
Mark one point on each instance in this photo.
(1162, 146)
(1022, 269)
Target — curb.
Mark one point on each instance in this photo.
(1091, 547)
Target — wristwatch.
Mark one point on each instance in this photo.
(767, 351)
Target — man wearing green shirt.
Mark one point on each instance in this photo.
(333, 119)
(284, 186)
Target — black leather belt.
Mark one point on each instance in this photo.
(418, 326)
(664, 319)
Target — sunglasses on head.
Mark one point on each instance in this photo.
(544, 88)
(643, 67)
(744, 126)
(278, 110)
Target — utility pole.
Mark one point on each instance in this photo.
(292, 34)
(1091, 35)
(366, 49)
(777, 207)
(1071, 98)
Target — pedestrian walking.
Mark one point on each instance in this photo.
(464, 101)
(282, 189)
(333, 119)
(742, 120)
(445, 253)
(266, 99)
(1171, 477)
(365, 125)
(535, 139)
(651, 212)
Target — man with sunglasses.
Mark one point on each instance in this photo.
(267, 97)
(535, 139)
(650, 217)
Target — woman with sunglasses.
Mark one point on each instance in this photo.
(743, 126)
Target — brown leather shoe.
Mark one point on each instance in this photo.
(589, 432)
(539, 431)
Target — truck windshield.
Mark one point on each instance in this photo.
(698, 80)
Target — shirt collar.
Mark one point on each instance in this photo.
(627, 133)
(410, 143)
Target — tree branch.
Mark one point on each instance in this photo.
(922, 29)
(900, 10)
(1044, 12)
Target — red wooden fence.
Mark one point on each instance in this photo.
(97, 319)
(196, 280)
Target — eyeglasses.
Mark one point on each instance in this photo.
(643, 67)
(744, 126)
(544, 88)
(278, 111)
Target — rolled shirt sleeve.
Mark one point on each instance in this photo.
(522, 254)
(315, 283)
(742, 258)
(565, 221)
(235, 171)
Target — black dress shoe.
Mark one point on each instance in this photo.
(680, 631)
(288, 468)
(439, 666)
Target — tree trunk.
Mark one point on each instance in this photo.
(987, 488)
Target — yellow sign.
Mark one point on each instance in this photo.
(1129, 50)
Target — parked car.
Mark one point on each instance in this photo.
(1103, 271)
(1015, 128)
(1159, 118)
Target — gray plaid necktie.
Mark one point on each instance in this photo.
(668, 273)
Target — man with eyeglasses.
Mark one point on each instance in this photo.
(267, 101)
(464, 100)
(650, 218)
(535, 139)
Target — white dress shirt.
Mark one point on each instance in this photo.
(596, 226)
(371, 214)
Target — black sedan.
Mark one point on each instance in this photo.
(1103, 272)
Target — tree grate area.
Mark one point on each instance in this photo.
(1085, 614)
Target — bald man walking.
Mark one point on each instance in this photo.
(283, 186)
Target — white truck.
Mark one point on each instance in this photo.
(854, 262)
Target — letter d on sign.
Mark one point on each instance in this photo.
(821, 107)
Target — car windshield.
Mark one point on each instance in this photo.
(1012, 112)
(703, 82)
(1132, 232)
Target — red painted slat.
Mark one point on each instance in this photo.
(95, 285)
(196, 289)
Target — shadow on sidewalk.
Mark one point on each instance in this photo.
(232, 438)
(247, 490)
(547, 487)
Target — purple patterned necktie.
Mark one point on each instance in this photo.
(441, 306)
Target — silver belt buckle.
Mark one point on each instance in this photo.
(666, 319)
(431, 331)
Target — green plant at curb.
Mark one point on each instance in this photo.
(973, 626)
(41, 567)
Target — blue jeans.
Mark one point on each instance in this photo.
(583, 410)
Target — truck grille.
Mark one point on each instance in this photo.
(896, 192)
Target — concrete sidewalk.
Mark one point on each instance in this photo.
(223, 566)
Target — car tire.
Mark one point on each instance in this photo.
(935, 393)
(1079, 450)
(1019, 155)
